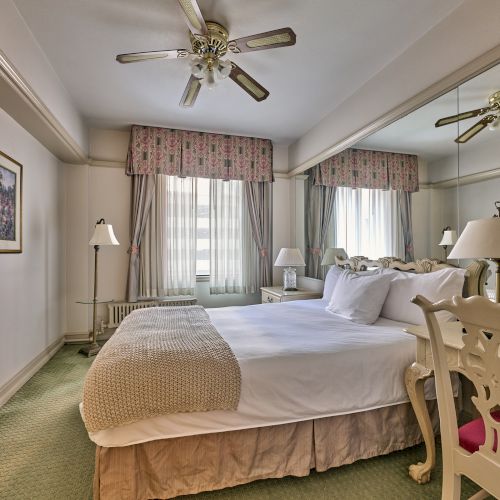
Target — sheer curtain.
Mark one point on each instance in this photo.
(367, 222)
(234, 260)
(168, 266)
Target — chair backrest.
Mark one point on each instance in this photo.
(479, 361)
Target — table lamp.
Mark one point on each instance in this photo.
(103, 235)
(481, 239)
(330, 254)
(449, 239)
(289, 258)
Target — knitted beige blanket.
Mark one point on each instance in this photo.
(160, 360)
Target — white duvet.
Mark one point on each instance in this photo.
(298, 362)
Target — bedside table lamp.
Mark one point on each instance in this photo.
(289, 258)
(448, 240)
(103, 235)
(330, 254)
(481, 239)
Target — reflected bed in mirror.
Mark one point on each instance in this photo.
(456, 183)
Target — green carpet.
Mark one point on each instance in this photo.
(45, 452)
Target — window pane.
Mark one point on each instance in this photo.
(203, 228)
(366, 222)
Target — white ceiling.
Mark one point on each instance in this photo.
(341, 44)
(416, 134)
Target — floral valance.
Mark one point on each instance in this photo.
(154, 150)
(360, 168)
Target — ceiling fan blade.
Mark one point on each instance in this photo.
(154, 54)
(194, 19)
(190, 93)
(475, 129)
(248, 84)
(461, 116)
(268, 40)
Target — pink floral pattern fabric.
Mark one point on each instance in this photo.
(359, 168)
(154, 150)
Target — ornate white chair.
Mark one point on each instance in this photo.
(473, 449)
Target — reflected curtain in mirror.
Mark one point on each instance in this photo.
(319, 208)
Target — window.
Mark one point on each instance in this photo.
(366, 222)
(198, 227)
(203, 227)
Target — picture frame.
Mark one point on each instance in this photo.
(11, 209)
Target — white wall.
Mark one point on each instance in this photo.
(32, 313)
(442, 50)
(22, 49)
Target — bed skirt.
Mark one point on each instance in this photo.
(168, 468)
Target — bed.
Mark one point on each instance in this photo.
(317, 391)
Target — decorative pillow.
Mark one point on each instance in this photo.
(438, 285)
(360, 297)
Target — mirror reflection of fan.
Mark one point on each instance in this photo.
(492, 119)
(209, 43)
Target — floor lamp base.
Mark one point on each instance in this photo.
(90, 349)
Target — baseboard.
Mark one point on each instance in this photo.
(76, 338)
(83, 338)
(21, 377)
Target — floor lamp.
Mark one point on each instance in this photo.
(103, 235)
(480, 239)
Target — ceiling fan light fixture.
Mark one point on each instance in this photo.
(495, 124)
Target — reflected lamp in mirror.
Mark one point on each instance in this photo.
(480, 239)
(331, 253)
(448, 240)
(289, 258)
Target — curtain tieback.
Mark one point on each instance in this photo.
(315, 251)
(263, 252)
(133, 250)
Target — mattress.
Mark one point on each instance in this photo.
(298, 362)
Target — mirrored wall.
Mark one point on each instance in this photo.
(457, 182)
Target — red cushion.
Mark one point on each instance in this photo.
(471, 435)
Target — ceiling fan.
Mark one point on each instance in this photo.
(209, 43)
(492, 118)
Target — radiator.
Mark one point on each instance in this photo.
(118, 310)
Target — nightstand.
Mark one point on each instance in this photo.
(272, 294)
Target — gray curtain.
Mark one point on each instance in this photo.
(259, 201)
(143, 188)
(404, 203)
(319, 208)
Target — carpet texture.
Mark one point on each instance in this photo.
(45, 453)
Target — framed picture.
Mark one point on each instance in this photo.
(11, 210)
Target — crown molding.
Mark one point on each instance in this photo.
(470, 70)
(21, 102)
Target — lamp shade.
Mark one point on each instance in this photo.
(103, 235)
(479, 239)
(330, 254)
(289, 257)
(449, 238)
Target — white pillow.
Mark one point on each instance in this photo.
(359, 297)
(438, 285)
(335, 271)
(330, 282)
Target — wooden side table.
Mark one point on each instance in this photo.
(272, 294)
(415, 377)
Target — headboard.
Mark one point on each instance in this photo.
(475, 278)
